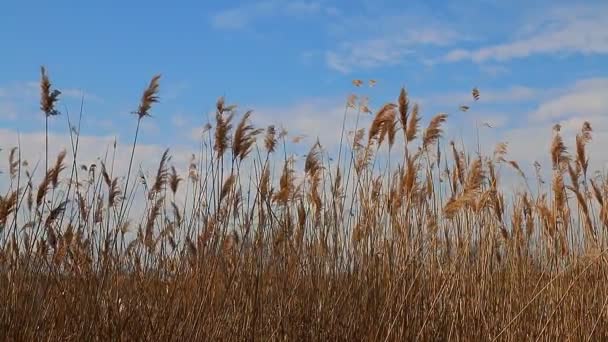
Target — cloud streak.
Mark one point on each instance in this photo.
(586, 97)
(580, 30)
(240, 17)
(391, 46)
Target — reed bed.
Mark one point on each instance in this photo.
(400, 236)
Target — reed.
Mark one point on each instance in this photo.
(264, 246)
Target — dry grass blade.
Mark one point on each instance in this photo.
(597, 192)
(582, 202)
(105, 174)
(515, 165)
(177, 214)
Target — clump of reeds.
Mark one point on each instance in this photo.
(267, 246)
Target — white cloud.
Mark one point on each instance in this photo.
(532, 143)
(150, 127)
(79, 94)
(242, 16)
(92, 149)
(494, 70)
(390, 46)
(7, 111)
(511, 94)
(311, 118)
(30, 90)
(307, 119)
(580, 29)
(368, 54)
(586, 97)
(178, 120)
(570, 107)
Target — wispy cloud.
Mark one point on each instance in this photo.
(569, 106)
(91, 150)
(7, 111)
(31, 90)
(494, 70)
(179, 120)
(513, 94)
(312, 118)
(578, 29)
(242, 16)
(78, 94)
(390, 46)
(585, 98)
(305, 120)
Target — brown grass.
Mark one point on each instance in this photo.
(263, 246)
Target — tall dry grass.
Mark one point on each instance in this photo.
(403, 237)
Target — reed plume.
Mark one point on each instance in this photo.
(162, 175)
(149, 97)
(48, 97)
(384, 124)
(413, 125)
(582, 139)
(403, 102)
(222, 129)
(244, 138)
(174, 180)
(433, 131)
(559, 152)
(270, 140)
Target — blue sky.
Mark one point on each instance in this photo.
(293, 63)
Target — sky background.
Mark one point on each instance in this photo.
(292, 62)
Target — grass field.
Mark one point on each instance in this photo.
(401, 235)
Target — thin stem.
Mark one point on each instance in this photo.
(120, 216)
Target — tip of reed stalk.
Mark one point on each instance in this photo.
(149, 97)
(48, 97)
